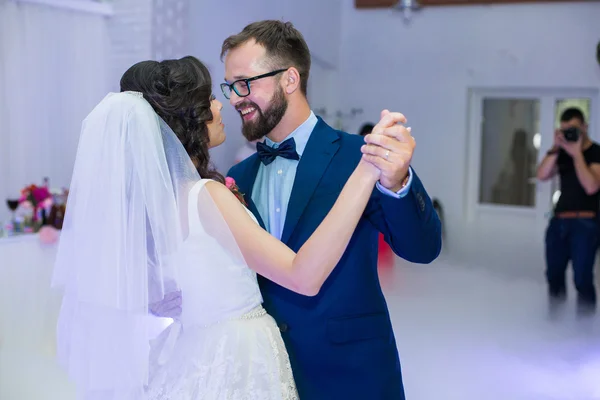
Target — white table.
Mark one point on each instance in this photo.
(28, 312)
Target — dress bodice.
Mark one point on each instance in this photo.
(216, 282)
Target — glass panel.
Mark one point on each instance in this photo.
(561, 105)
(510, 141)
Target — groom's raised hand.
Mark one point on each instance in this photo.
(390, 147)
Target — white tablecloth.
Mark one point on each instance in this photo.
(28, 312)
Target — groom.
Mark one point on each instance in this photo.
(341, 343)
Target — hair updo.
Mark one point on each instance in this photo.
(180, 92)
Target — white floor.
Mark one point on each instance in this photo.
(463, 334)
(469, 334)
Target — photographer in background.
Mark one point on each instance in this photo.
(574, 231)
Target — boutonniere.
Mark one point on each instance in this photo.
(231, 185)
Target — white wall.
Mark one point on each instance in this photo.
(424, 69)
(130, 31)
(54, 70)
(170, 28)
(210, 22)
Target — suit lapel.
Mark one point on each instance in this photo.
(320, 149)
(249, 178)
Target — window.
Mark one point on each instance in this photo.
(510, 141)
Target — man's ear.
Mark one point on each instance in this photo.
(292, 80)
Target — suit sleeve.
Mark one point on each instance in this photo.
(410, 224)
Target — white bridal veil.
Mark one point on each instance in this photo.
(123, 227)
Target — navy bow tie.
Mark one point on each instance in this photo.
(267, 154)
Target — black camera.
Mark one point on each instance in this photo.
(571, 134)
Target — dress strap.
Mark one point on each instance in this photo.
(193, 215)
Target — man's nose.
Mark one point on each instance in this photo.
(234, 99)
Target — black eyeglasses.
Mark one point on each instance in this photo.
(241, 87)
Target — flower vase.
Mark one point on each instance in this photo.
(34, 217)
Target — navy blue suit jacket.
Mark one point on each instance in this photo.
(341, 343)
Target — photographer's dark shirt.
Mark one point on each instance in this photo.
(573, 196)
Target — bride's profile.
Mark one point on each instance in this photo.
(147, 215)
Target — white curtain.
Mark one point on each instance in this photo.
(53, 70)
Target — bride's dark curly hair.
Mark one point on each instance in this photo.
(180, 91)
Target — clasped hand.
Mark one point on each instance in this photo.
(390, 147)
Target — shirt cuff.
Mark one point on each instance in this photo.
(402, 192)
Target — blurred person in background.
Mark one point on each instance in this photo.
(366, 129)
(573, 233)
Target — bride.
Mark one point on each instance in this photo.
(148, 216)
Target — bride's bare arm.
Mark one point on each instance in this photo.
(306, 271)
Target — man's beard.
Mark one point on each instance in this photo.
(265, 122)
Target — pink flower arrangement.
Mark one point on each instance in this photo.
(231, 185)
(35, 197)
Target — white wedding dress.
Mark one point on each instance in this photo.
(139, 225)
(224, 345)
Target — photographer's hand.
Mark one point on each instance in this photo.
(547, 168)
(574, 149)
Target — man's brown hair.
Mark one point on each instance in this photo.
(285, 46)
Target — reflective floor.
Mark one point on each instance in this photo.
(463, 334)
(469, 334)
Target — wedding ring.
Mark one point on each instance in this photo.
(387, 154)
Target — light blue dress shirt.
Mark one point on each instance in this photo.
(274, 182)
